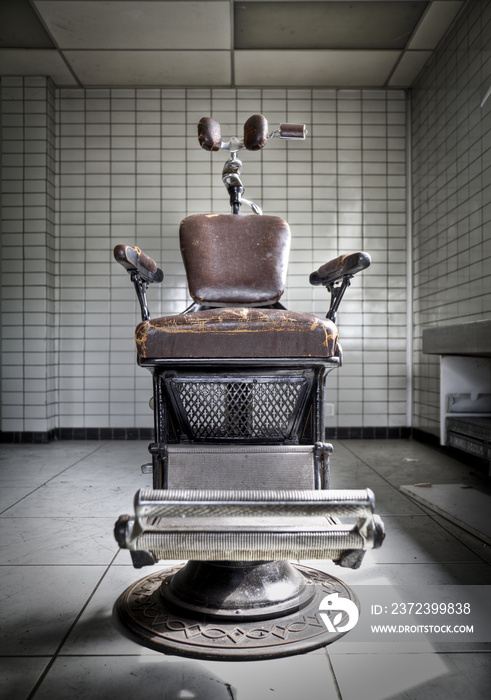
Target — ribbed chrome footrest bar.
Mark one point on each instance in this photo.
(244, 525)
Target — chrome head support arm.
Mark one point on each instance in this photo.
(256, 136)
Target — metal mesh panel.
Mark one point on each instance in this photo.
(240, 409)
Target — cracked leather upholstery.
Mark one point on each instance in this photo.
(237, 332)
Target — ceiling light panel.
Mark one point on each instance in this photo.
(151, 68)
(325, 25)
(125, 25)
(314, 68)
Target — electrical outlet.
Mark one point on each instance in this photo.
(329, 407)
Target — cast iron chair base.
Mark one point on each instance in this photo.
(231, 610)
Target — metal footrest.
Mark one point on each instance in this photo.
(245, 466)
(240, 525)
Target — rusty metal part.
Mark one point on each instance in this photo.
(293, 132)
(265, 627)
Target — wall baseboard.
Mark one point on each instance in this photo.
(367, 433)
(426, 438)
(147, 434)
(77, 434)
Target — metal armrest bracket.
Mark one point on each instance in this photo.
(337, 291)
(141, 287)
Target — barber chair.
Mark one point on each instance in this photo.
(239, 462)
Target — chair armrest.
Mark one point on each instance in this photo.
(143, 271)
(339, 268)
(336, 275)
(135, 260)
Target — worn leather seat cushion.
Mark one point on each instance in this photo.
(237, 332)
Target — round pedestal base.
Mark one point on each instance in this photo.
(152, 620)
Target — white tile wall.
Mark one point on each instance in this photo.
(452, 194)
(127, 169)
(29, 396)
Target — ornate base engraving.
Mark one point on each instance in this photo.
(153, 622)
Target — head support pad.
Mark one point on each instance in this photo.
(209, 134)
(256, 132)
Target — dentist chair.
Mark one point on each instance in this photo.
(240, 466)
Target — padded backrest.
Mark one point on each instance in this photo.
(234, 259)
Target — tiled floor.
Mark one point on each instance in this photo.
(61, 573)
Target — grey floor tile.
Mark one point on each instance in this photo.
(357, 476)
(402, 452)
(18, 675)
(388, 501)
(116, 450)
(10, 495)
(408, 462)
(465, 506)
(122, 456)
(96, 632)
(373, 572)
(158, 677)
(82, 500)
(482, 549)
(412, 676)
(39, 604)
(346, 646)
(421, 646)
(33, 465)
(418, 539)
(126, 476)
(56, 540)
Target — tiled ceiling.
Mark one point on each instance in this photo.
(222, 43)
